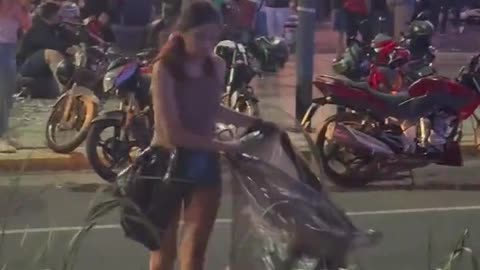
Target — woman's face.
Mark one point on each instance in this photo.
(200, 41)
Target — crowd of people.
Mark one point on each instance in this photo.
(36, 36)
(360, 17)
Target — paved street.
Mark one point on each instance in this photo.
(56, 204)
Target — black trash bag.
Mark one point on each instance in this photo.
(282, 217)
(150, 196)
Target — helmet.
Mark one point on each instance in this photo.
(421, 28)
(271, 52)
(69, 12)
(65, 71)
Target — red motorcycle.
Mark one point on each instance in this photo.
(381, 134)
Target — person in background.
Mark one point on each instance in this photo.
(260, 19)
(99, 28)
(291, 26)
(13, 16)
(357, 20)
(240, 18)
(381, 18)
(44, 44)
(446, 7)
(277, 12)
(187, 83)
(339, 27)
(400, 11)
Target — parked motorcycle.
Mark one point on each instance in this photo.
(239, 95)
(371, 62)
(77, 107)
(132, 123)
(384, 134)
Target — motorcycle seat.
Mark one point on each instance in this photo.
(25, 81)
(388, 99)
(403, 106)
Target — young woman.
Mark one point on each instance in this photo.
(187, 82)
(13, 17)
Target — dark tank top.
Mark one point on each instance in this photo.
(198, 102)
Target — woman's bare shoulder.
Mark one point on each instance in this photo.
(161, 76)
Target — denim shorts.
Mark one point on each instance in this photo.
(160, 202)
(198, 167)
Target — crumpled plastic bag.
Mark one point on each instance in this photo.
(281, 219)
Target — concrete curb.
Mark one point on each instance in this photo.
(39, 160)
(42, 160)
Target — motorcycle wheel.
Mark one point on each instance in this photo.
(81, 116)
(113, 155)
(359, 169)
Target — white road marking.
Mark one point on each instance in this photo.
(228, 220)
(414, 210)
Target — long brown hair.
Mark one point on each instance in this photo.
(173, 54)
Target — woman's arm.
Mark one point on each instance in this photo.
(166, 116)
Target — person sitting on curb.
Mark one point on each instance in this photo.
(44, 45)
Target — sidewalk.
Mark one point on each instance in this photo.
(276, 94)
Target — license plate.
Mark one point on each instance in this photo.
(330, 131)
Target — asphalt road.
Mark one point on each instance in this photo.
(436, 210)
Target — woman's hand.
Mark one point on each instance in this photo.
(232, 146)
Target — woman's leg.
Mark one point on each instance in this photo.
(7, 89)
(351, 27)
(340, 48)
(53, 58)
(199, 215)
(281, 15)
(164, 258)
(270, 17)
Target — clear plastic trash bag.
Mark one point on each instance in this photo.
(282, 217)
